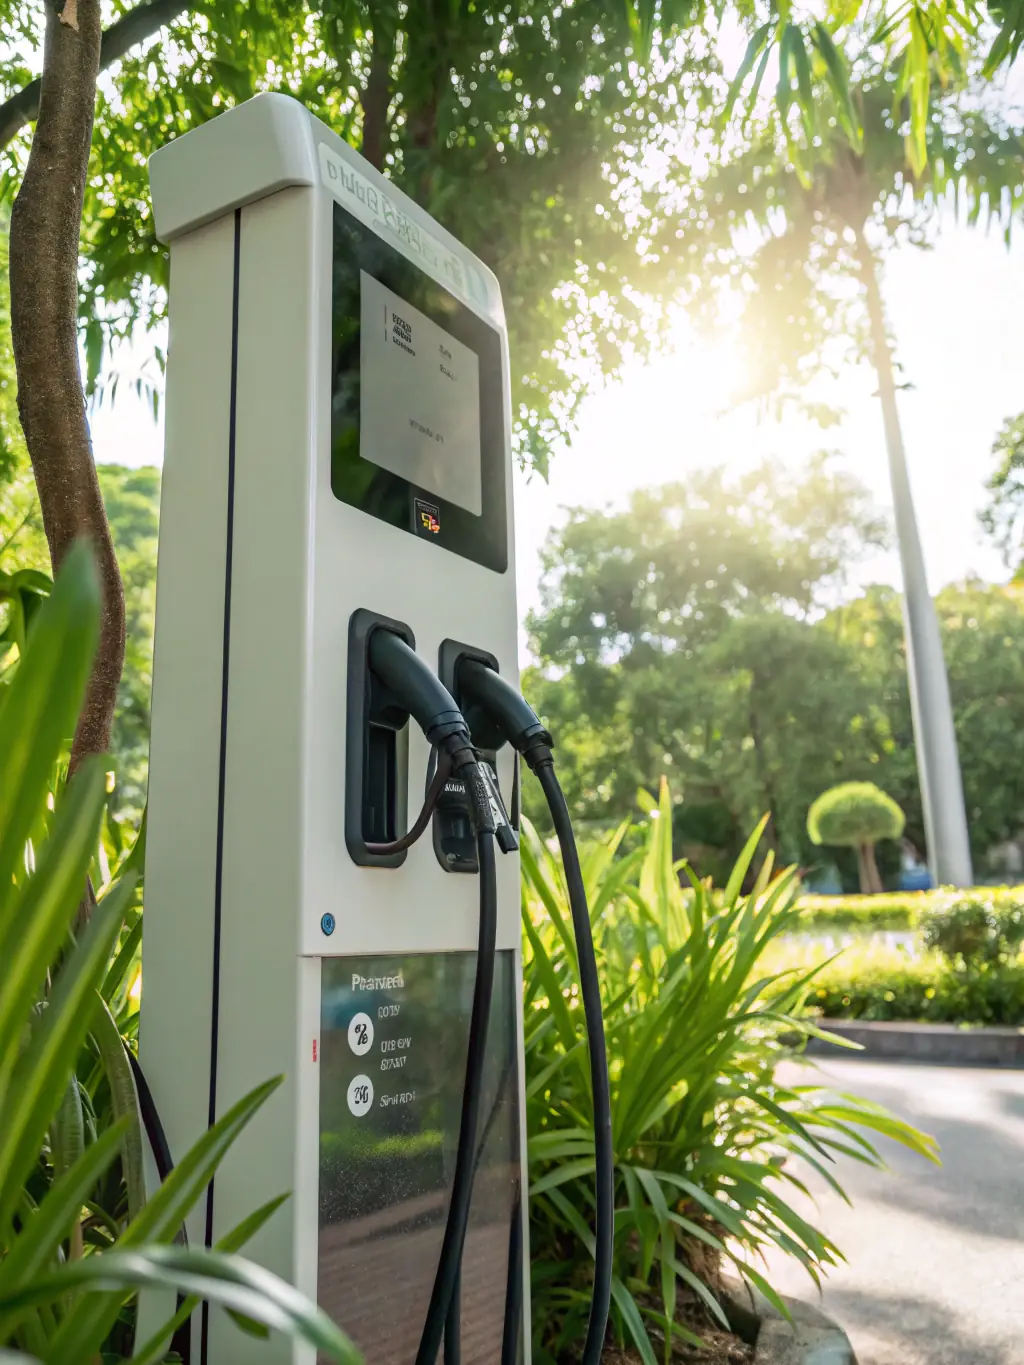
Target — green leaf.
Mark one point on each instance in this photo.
(561, 1175)
(808, 109)
(735, 882)
(226, 1280)
(67, 1132)
(627, 1306)
(41, 705)
(124, 959)
(917, 66)
(754, 48)
(784, 89)
(154, 1350)
(86, 1326)
(42, 1070)
(37, 1243)
(701, 1290)
(43, 912)
(839, 77)
(124, 1103)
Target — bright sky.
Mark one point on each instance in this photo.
(958, 314)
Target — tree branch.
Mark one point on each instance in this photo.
(46, 225)
(132, 28)
(376, 99)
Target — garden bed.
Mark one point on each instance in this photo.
(942, 957)
(875, 983)
(721, 1348)
(931, 1044)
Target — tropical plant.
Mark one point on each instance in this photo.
(21, 594)
(707, 1134)
(856, 815)
(67, 1265)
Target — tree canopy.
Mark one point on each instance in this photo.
(787, 236)
(854, 813)
(520, 127)
(678, 636)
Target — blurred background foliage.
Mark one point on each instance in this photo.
(715, 630)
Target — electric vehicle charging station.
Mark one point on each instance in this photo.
(337, 463)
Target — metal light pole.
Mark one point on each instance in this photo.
(938, 763)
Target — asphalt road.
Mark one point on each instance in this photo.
(935, 1256)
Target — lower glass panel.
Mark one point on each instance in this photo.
(393, 1039)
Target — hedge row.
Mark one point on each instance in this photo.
(876, 983)
(867, 913)
(897, 910)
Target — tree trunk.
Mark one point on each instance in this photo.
(867, 869)
(764, 773)
(376, 97)
(45, 229)
(863, 875)
(938, 763)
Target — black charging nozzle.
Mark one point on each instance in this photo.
(484, 690)
(431, 705)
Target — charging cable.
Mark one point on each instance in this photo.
(419, 825)
(484, 690)
(430, 704)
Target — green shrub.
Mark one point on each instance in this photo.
(962, 927)
(882, 913)
(908, 910)
(707, 1138)
(77, 1238)
(975, 929)
(856, 815)
(877, 983)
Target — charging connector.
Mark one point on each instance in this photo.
(484, 689)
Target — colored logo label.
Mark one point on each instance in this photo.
(428, 520)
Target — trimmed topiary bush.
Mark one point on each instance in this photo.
(856, 815)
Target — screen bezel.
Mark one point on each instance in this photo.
(360, 482)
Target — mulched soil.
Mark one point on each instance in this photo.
(721, 1348)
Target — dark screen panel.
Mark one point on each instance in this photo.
(379, 491)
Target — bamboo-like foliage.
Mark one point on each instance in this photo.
(709, 1137)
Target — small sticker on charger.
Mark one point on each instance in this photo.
(428, 518)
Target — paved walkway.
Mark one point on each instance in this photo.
(935, 1257)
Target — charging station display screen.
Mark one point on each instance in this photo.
(393, 1040)
(417, 401)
